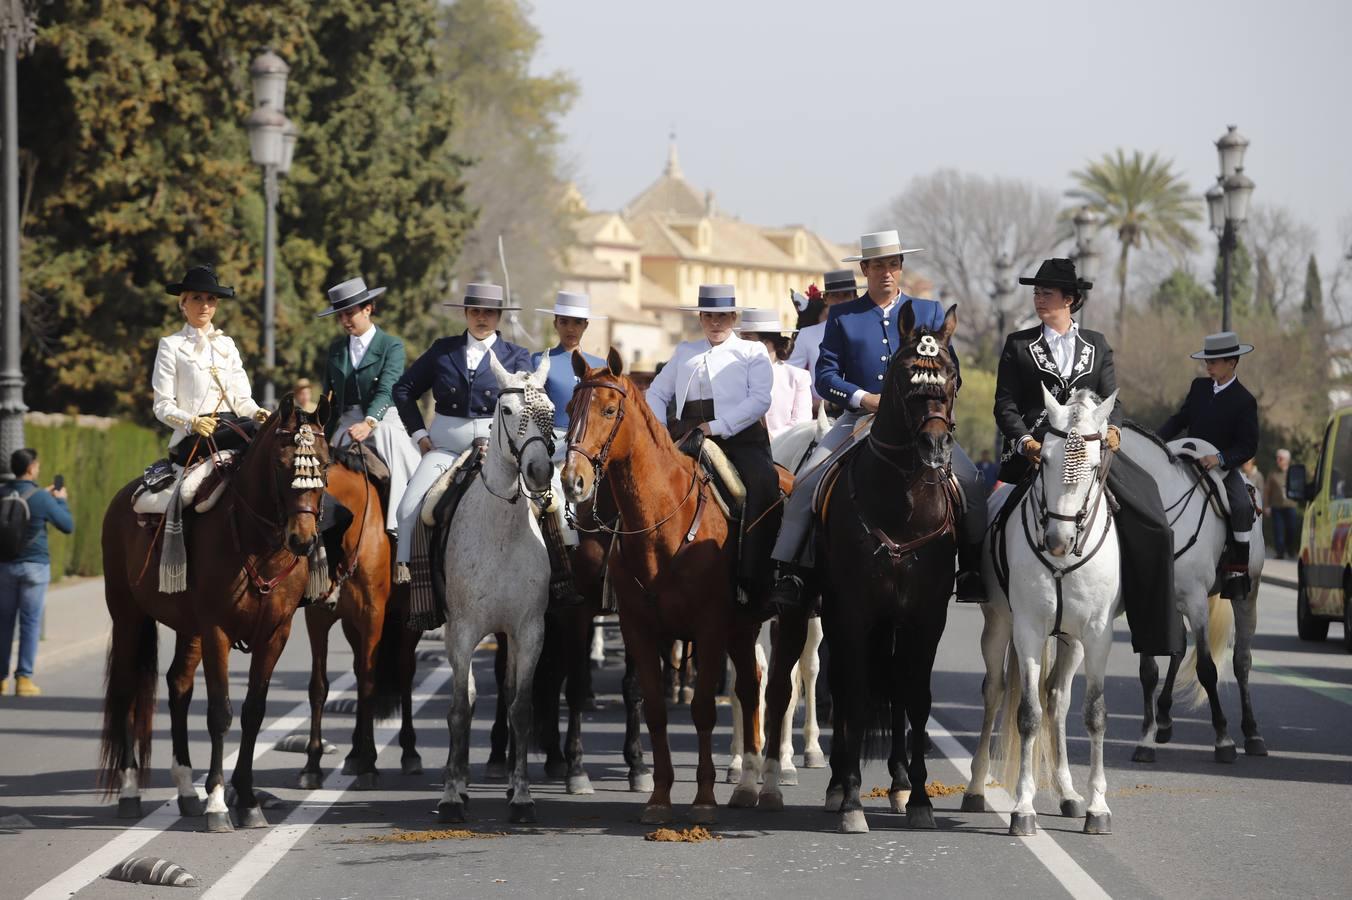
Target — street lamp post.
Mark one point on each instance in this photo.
(1086, 223)
(272, 142)
(17, 31)
(1228, 206)
(1001, 288)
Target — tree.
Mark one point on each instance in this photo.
(1281, 244)
(966, 222)
(1241, 280)
(1183, 295)
(1312, 306)
(1144, 200)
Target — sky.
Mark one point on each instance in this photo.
(819, 112)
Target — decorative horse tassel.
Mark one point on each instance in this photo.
(306, 464)
(174, 551)
(318, 586)
(1076, 464)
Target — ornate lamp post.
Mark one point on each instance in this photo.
(17, 32)
(1228, 206)
(1001, 287)
(272, 143)
(1086, 223)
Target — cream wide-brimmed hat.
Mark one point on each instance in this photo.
(879, 245)
(572, 305)
(761, 321)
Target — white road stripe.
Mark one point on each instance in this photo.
(166, 814)
(1056, 860)
(256, 864)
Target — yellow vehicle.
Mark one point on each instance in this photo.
(1324, 571)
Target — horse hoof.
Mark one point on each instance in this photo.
(1143, 754)
(349, 766)
(788, 776)
(975, 803)
(1072, 809)
(495, 770)
(450, 813)
(411, 765)
(310, 781)
(580, 784)
(771, 802)
(1098, 823)
(743, 798)
(556, 768)
(835, 798)
(219, 823)
(641, 782)
(521, 813)
(192, 806)
(1164, 734)
(703, 814)
(1227, 754)
(252, 817)
(921, 817)
(687, 696)
(814, 759)
(656, 814)
(1255, 746)
(129, 808)
(366, 781)
(734, 774)
(266, 800)
(853, 822)
(1023, 824)
(898, 800)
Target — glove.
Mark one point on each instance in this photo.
(261, 416)
(1114, 439)
(1032, 451)
(203, 425)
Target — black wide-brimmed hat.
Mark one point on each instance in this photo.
(350, 293)
(200, 278)
(1060, 273)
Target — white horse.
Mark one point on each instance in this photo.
(497, 578)
(1199, 542)
(1065, 574)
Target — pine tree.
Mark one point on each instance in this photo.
(1313, 305)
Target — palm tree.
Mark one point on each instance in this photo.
(1143, 199)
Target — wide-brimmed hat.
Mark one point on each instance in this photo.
(762, 321)
(575, 306)
(879, 245)
(203, 279)
(716, 298)
(350, 293)
(481, 296)
(1221, 345)
(1060, 273)
(839, 280)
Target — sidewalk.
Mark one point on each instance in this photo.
(76, 623)
(1280, 572)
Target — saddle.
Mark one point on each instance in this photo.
(439, 508)
(202, 484)
(729, 491)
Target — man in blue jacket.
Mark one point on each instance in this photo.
(858, 344)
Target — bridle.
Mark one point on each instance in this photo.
(538, 410)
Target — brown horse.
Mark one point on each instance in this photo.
(672, 570)
(383, 651)
(247, 574)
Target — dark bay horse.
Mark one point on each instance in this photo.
(247, 574)
(384, 652)
(886, 545)
(671, 570)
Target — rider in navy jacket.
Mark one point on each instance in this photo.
(860, 340)
(442, 370)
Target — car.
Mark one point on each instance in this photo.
(1324, 569)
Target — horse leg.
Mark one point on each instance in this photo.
(495, 769)
(748, 659)
(129, 700)
(250, 721)
(737, 749)
(712, 652)
(1098, 818)
(647, 657)
(1246, 623)
(410, 763)
(549, 676)
(1207, 675)
(899, 791)
(1150, 676)
(187, 655)
(849, 677)
(215, 661)
(1164, 720)
(318, 621)
(995, 638)
(1028, 645)
(527, 641)
(671, 666)
(640, 777)
(578, 680)
(1068, 656)
(364, 638)
(455, 787)
(809, 669)
(779, 704)
(921, 643)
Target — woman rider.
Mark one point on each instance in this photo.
(791, 396)
(462, 383)
(200, 386)
(721, 385)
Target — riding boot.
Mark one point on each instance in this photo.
(1236, 584)
(971, 587)
(789, 590)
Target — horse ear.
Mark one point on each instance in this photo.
(499, 371)
(1104, 411)
(615, 362)
(907, 318)
(287, 408)
(1049, 400)
(322, 409)
(579, 364)
(542, 370)
(950, 325)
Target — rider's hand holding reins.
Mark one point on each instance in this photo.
(1210, 461)
(203, 425)
(424, 445)
(361, 431)
(869, 403)
(1114, 438)
(261, 416)
(1032, 451)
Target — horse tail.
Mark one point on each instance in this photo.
(1010, 741)
(130, 678)
(389, 686)
(1220, 634)
(882, 690)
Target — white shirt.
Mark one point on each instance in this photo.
(358, 344)
(701, 388)
(807, 346)
(1217, 388)
(1062, 347)
(475, 349)
(191, 368)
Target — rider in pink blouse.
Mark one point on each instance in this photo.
(791, 396)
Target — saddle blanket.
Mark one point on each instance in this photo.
(199, 475)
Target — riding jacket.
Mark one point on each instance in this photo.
(737, 370)
(199, 373)
(458, 392)
(370, 385)
(1227, 418)
(858, 344)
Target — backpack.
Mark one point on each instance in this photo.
(14, 517)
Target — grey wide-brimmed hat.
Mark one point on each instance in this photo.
(838, 281)
(350, 293)
(481, 296)
(572, 305)
(716, 298)
(762, 321)
(1222, 345)
(879, 245)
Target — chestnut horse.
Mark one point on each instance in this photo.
(384, 652)
(247, 574)
(671, 570)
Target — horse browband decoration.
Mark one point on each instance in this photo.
(308, 474)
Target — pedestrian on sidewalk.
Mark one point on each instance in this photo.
(24, 578)
(1285, 511)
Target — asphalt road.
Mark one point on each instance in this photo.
(1184, 826)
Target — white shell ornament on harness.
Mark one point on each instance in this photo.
(928, 346)
(308, 474)
(1075, 467)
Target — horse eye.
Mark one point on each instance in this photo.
(508, 411)
(609, 412)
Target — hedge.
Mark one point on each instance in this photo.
(97, 457)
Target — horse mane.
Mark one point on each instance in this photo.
(1150, 435)
(656, 430)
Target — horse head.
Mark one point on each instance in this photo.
(595, 415)
(292, 444)
(916, 409)
(1074, 458)
(524, 423)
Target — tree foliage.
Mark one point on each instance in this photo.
(1182, 294)
(1241, 280)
